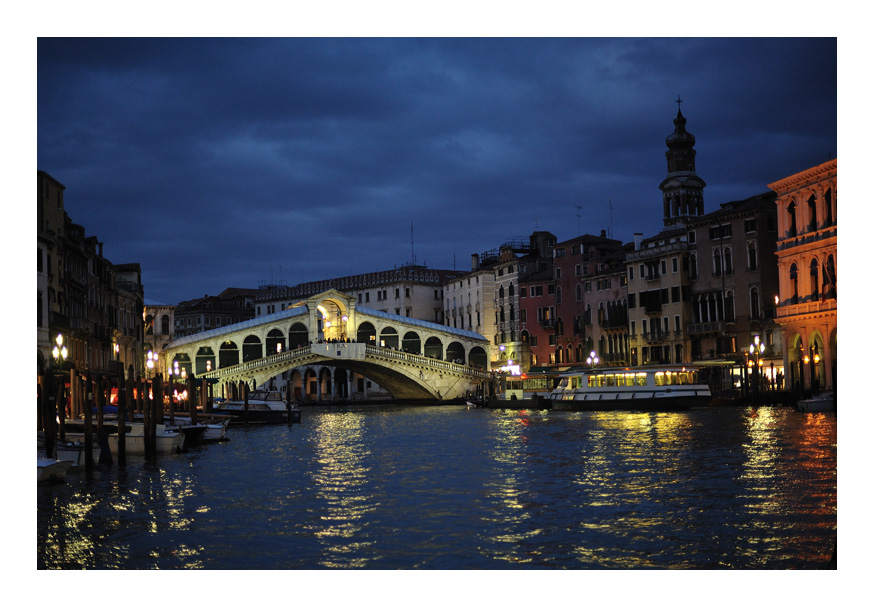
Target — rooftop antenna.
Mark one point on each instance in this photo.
(611, 225)
(578, 220)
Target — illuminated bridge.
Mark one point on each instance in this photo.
(322, 342)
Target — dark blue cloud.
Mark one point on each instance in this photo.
(230, 158)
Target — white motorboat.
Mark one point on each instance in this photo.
(211, 428)
(264, 406)
(74, 452)
(167, 440)
(49, 470)
(652, 388)
(821, 402)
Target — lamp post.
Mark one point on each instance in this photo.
(59, 352)
(755, 361)
(592, 360)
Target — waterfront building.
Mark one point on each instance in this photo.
(589, 274)
(159, 323)
(538, 319)
(233, 305)
(470, 300)
(658, 267)
(50, 262)
(518, 261)
(733, 276)
(807, 301)
(94, 305)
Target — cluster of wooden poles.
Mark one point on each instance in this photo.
(84, 396)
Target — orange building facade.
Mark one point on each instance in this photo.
(807, 302)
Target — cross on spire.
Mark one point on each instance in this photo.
(679, 102)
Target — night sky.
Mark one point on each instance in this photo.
(219, 163)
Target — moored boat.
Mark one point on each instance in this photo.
(49, 470)
(262, 407)
(650, 388)
(821, 402)
(75, 453)
(167, 440)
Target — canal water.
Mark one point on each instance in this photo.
(446, 487)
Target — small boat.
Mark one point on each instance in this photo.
(651, 388)
(167, 440)
(74, 452)
(49, 470)
(264, 407)
(208, 428)
(821, 402)
(71, 450)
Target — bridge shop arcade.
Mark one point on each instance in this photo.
(327, 348)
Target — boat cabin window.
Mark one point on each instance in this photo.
(669, 378)
(623, 379)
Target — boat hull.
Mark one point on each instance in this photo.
(534, 403)
(818, 403)
(49, 470)
(259, 416)
(643, 401)
(75, 453)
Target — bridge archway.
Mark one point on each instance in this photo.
(204, 355)
(366, 333)
(478, 358)
(411, 343)
(456, 352)
(275, 342)
(434, 348)
(252, 348)
(298, 335)
(389, 337)
(228, 354)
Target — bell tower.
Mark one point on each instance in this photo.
(682, 188)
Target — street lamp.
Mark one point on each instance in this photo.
(59, 352)
(592, 360)
(151, 362)
(756, 351)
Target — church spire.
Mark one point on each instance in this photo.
(682, 188)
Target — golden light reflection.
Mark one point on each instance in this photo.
(341, 475)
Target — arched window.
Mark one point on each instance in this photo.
(812, 213)
(501, 292)
(578, 292)
(827, 205)
(752, 256)
(694, 267)
(510, 290)
(559, 295)
(718, 266)
(727, 260)
(794, 284)
(815, 280)
(791, 219)
(730, 306)
(754, 303)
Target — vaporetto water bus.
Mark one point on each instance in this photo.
(649, 388)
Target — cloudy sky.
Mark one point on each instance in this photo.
(221, 163)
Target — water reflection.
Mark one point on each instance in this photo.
(455, 488)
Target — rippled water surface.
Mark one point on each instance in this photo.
(451, 488)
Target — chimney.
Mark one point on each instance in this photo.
(638, 236)
(475, 261)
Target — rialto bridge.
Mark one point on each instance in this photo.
(327, 348)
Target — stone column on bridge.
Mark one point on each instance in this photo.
(349, 386)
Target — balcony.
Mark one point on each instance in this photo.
(701, 329)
